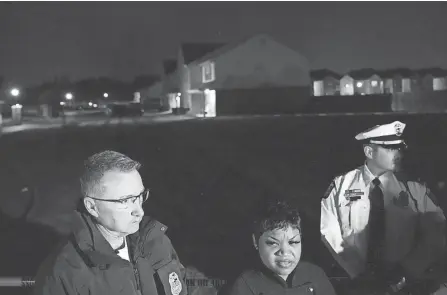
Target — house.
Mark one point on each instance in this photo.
(325, 82)
(432, 79)
(366, 81)
(247, 67)
(399, 80)
(346, 85)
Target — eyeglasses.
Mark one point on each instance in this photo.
(126, 201)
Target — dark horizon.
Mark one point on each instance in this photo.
(123, 40)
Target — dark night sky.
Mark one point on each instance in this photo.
(118, 39)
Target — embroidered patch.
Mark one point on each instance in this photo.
(402, 200)
(174, 282)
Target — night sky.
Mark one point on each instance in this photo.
(121, 40)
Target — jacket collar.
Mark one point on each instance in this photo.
(97, 251)
(295, 278)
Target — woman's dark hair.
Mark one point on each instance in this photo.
(277, 214)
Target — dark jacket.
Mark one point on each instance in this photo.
(87, 264)
(307, 278)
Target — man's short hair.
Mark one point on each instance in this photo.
(97, 165)
(277, 214)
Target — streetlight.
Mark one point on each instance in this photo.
(69, 96)
(15, 92)
(106, 95)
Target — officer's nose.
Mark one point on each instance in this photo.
(138, 210)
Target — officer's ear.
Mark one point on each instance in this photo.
(368, 150)
(255, 241)
(90, 206)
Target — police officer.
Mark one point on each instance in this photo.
(378, 223)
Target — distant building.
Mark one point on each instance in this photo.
(325, 82)
(209, 77)
(366, 81)
(399, 80)
(433, 79)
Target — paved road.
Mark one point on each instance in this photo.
(88, 120)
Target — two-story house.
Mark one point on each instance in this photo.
(210, 82)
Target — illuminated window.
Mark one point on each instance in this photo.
(208, 73)
(374, 83)
(359, 84)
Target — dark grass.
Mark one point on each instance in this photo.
(207, 177)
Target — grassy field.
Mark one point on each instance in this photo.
(207, 177)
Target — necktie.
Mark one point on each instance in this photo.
(376, 224)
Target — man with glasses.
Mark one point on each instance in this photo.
(114, 248)
(380, 226)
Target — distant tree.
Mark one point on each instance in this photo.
(142, 81)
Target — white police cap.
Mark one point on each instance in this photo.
(383, 134)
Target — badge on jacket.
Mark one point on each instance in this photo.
(174, 282)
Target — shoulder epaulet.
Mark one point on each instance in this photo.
(332, 186)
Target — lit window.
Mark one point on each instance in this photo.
(359, 84)
(374, 83)
(208, 73)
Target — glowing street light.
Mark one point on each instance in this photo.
(106, 95)
(62, 103)
(69, 96)
(15, 92)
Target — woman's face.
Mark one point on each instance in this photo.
(280, 250)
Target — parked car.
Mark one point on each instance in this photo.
(125, 110)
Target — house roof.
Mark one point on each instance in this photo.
(402, 72)
(363, 74)
(231, 45)
(194, 51)
(169, 66)
(320, 74)
(435, 72)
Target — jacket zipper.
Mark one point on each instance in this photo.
(135, 269)
(137, 277)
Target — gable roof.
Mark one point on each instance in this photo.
(402, 72)
(194, 51)
(229, 46)
(321, 74)
(363, 74)
(169, 66)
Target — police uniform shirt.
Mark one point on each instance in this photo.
(345, 214)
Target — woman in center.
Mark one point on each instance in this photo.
(277, 239)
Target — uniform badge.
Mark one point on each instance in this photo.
(174, 282)
(402, 200)
(398, 129)
(353, 194)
